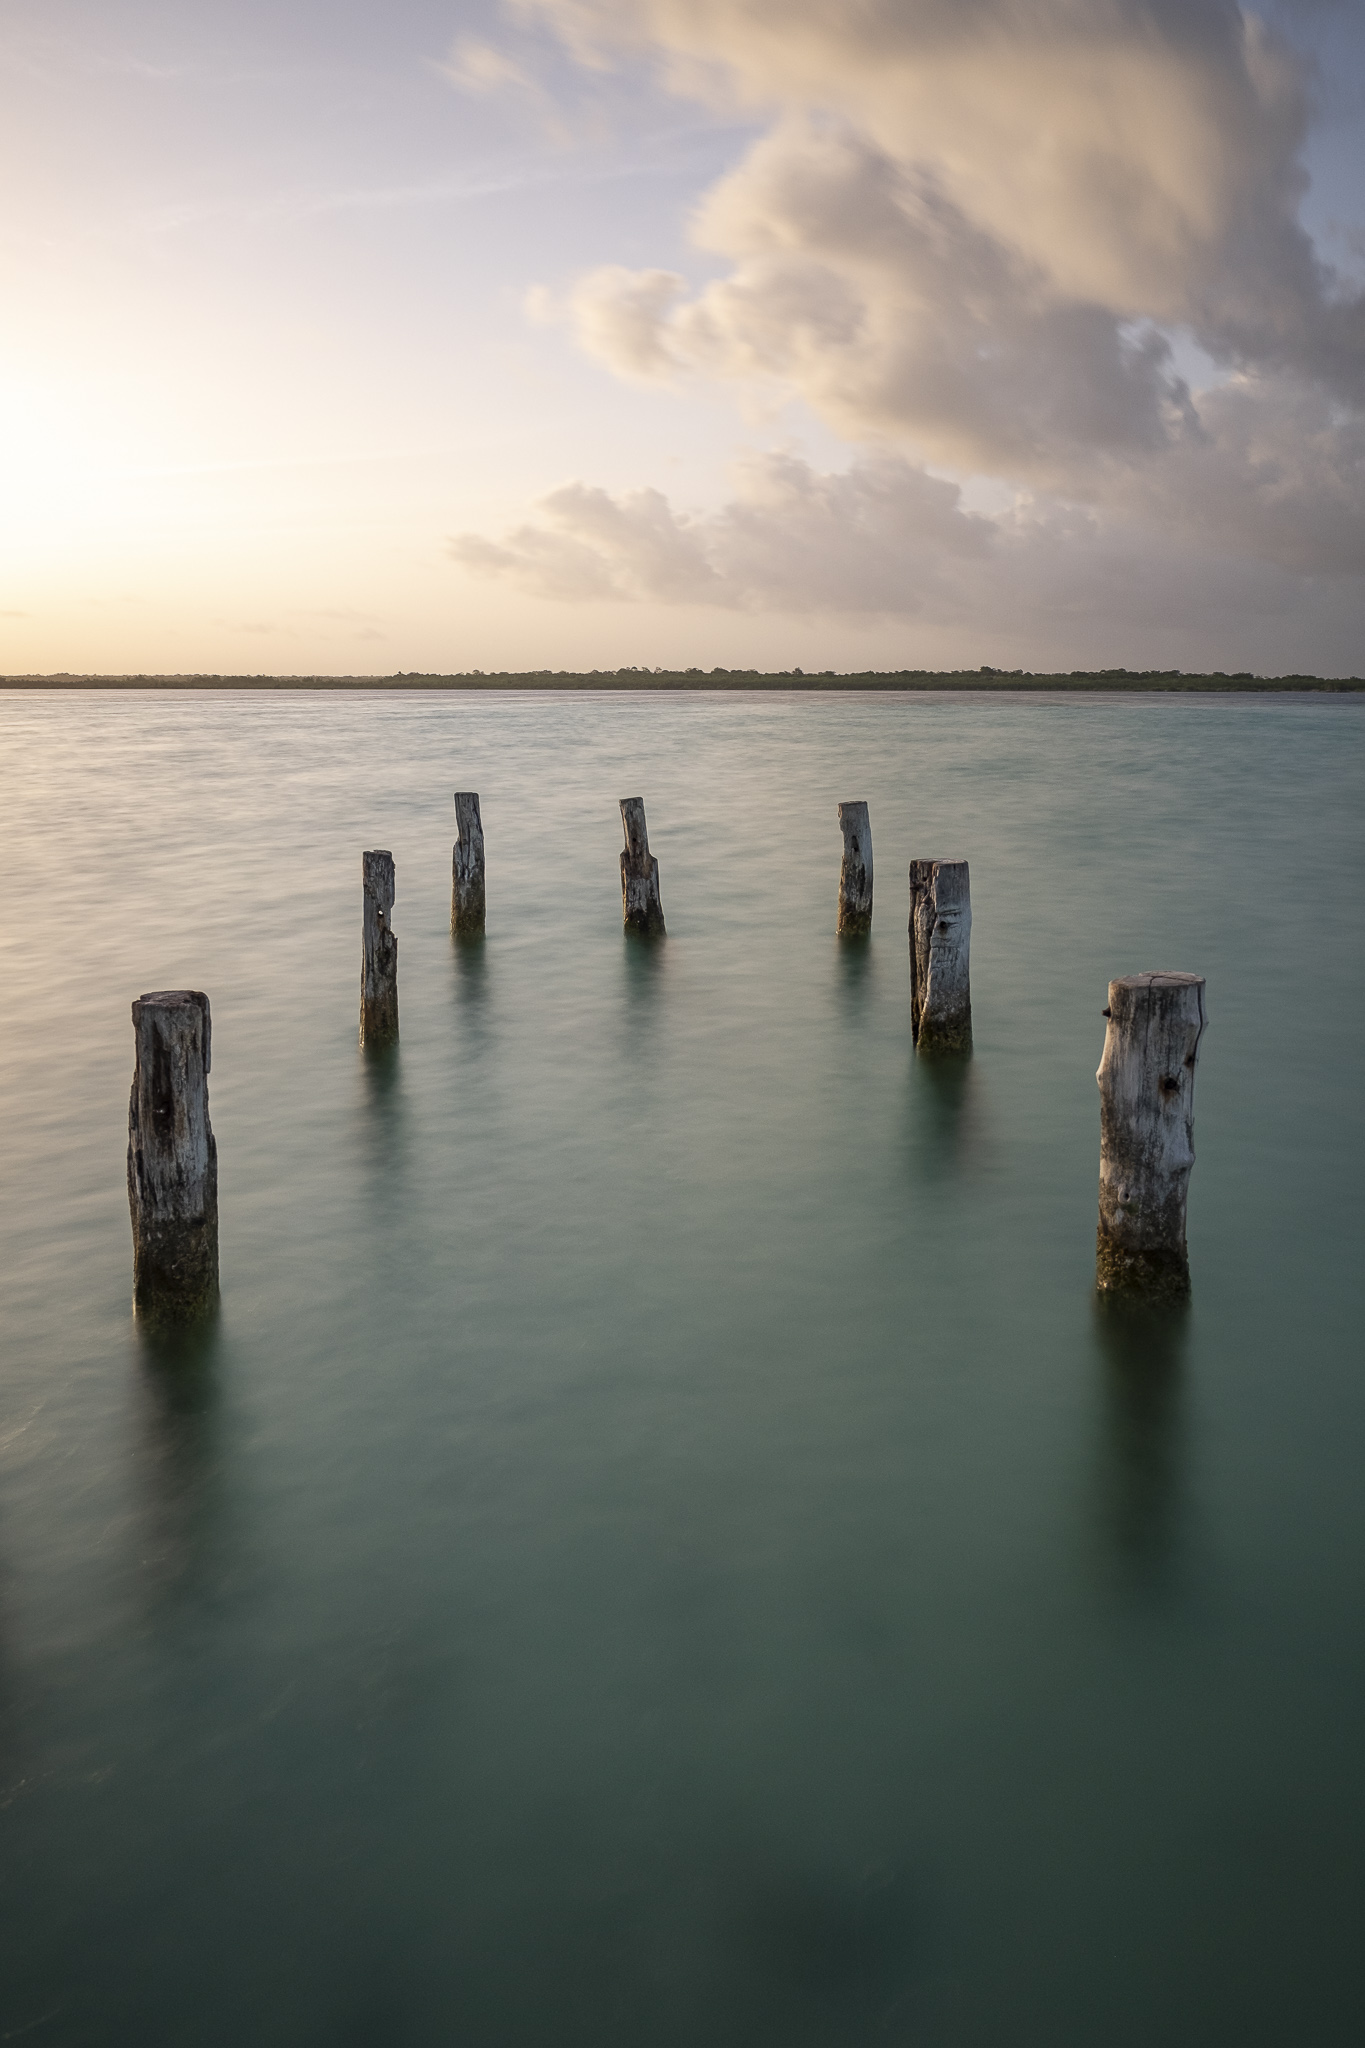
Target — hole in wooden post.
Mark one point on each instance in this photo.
(1147, 1148)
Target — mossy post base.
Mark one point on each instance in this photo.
(467, 902)
(940, 956)
(1143, 1275)
(1146, 1082)
(172, 1159)
(379, 966)
(641, 909)
(855, 873)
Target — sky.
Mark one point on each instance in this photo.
(344, 338)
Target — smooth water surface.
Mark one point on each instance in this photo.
(660, 1547)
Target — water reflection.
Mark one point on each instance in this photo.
(849, 1942)
(943, 1109)
(470, 954)
(383, 1123)
(1141, 1478)
(643, 963)
(177, 1396)
(854, 971)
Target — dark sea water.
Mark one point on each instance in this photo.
(659, 1547)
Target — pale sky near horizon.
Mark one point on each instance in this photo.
(347, 338)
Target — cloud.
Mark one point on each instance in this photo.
(622, 316)
(886, 539)
(980, 234)
(875, 539)
(1276, 473)
(1137, 158)
(1140, 155)
(588, 544)
(481, 68)
(862, 287)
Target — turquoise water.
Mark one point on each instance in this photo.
(659, 1548)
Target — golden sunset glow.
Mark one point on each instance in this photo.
(583, 332)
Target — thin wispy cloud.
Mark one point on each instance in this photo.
(42, 53)
(479, 67)
(466, 187)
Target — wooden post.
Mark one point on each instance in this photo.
(379, 970)
(940, 955)
(641, 908)
(467, 895)
(855, 874)
(172, 1158)
(1146, 1077)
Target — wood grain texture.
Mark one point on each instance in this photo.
(1146, 1082)
(172, 1157)
(379, 964)
(467, 899)
(940, 955)
(641, 908)
(855, 872)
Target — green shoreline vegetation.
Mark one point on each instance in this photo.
(712, 679)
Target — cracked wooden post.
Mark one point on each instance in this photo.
(855, 874)
(1146, 1077)
(379, 969)
(467, 894)
(940, 956)
(640, 905)
(172, 1158)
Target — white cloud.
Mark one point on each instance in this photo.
(588, 544)
(1141, 155)
(622, 316)
(969, 234)
(878, 538)
(861, 286)
(887, 539)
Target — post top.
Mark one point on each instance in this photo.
(1158, 978)
(176, 998)
(636, 831)
(173, 1003)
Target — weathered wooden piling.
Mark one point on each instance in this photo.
(940, 955)
(1146, 1077)
(855, 873)
(467, 906)
(172, 1158)
(379, 969)
(640, 905)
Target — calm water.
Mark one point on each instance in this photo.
(659, 1549)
